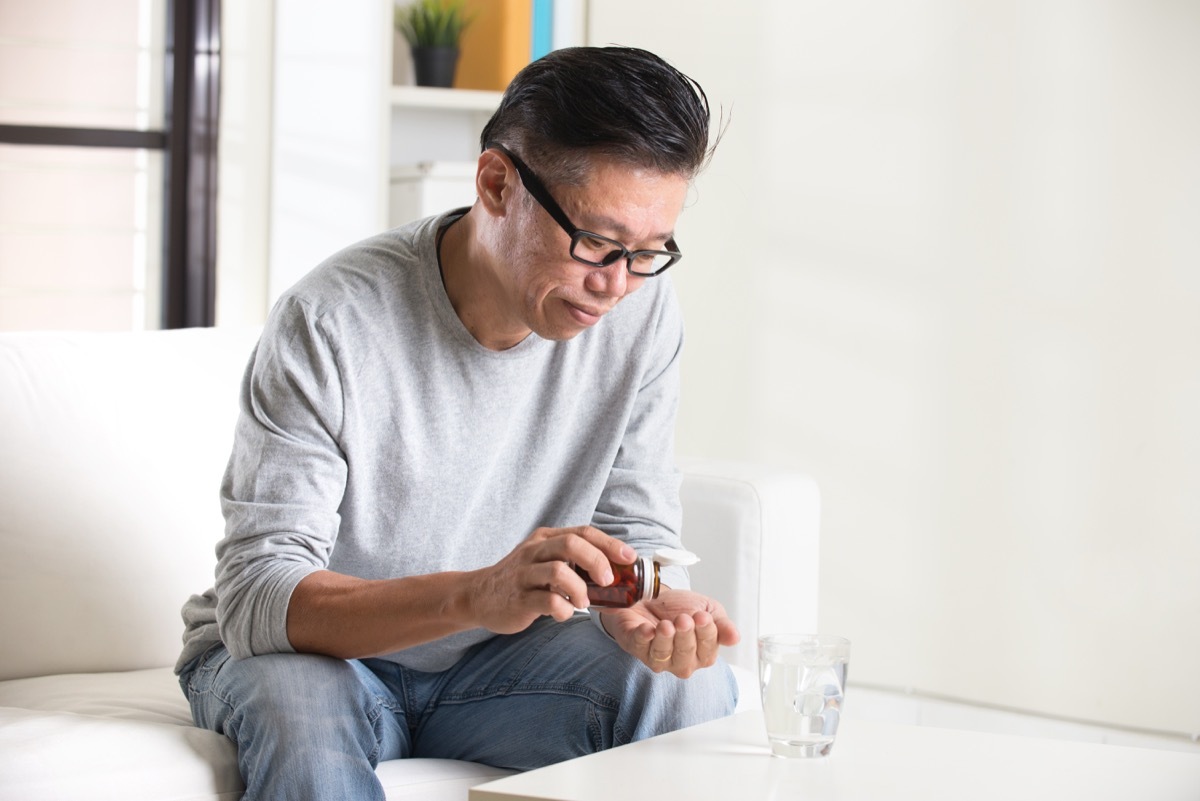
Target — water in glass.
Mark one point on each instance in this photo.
(802, 702)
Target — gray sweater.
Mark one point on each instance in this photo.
(378, 439)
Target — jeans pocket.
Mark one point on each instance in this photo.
(198, 679)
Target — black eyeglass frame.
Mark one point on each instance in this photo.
(541, 194)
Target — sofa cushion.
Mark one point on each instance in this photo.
(130, 736)
(109, 736)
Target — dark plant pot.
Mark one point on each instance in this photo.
(435, 65)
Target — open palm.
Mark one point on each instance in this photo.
(680, 631)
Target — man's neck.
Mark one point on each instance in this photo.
(473, 281)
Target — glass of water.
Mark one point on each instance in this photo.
(803, 682)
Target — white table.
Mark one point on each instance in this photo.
(728, 760)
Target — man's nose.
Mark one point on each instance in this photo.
(612, 280)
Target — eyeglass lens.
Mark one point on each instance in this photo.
(601, 252)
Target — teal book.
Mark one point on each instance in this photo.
(543, 28)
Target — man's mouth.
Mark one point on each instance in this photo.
(586, 315)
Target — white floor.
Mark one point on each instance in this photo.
(877, 704)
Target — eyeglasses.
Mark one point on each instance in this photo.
(589, 248)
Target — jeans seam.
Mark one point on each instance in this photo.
(582, 691)
(552, 634)
(373, 718)
(510, 687)
(205, 668)
(390, 702)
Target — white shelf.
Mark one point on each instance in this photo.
(429, 124)
(434, 146)
(418, 97)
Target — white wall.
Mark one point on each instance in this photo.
(329, 131)
(946, 262)
(303, 147)
(244, 161)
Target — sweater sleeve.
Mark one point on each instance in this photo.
(283, 484)
(640, 501)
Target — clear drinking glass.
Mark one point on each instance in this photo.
(803, 682)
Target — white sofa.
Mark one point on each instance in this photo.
(111, 452)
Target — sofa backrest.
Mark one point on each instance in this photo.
(112, 447)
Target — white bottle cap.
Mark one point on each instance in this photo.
(675, 557)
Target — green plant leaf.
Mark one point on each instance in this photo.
(432, 22)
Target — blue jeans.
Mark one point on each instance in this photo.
(309, 727)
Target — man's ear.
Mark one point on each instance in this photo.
(494, 182)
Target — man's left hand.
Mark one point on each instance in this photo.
(680, 631)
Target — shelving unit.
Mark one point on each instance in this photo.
(434, 144)
(341, 125)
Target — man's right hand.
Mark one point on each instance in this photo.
(350, 618)
(536, 578)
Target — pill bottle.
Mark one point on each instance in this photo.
(635, 582)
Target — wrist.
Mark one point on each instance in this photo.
(598, 619)
(458, 604)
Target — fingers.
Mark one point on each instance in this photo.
(661, 649)
(684, 645)
(536, 578)
(680, 642)
(708, 641)
(585, 546)
(727, 633)
(611, 547)
(568, 592)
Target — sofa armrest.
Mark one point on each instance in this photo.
(756, 532)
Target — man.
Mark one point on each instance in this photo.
(436, 424)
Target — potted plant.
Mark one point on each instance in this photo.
(433, 29)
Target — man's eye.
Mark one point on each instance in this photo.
(594, 244)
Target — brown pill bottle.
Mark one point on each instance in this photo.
(631, 583)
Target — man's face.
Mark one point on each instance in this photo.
(558, 297)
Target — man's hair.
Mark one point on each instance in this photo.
(618, 102)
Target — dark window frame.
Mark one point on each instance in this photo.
(189, 141)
